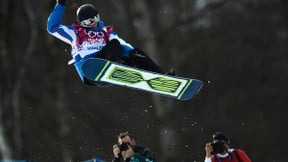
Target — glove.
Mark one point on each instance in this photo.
(62, 2)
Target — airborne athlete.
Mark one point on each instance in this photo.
(101, 57)
(90, 38)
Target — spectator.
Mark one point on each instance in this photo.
(219, 151)
(128, 151)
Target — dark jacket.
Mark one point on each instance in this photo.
(145, 152)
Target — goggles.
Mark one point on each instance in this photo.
(90, 22)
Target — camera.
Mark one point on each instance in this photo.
(123, 147)
(218, 146)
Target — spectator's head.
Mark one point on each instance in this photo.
(125, 137)
(218, 136)
(220, 143)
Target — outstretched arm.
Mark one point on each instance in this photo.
(54, 27)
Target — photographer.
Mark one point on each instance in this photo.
(219, 151)
(127, 151)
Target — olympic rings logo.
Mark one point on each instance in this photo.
(93, 34)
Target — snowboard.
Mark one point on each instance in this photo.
(104, 71)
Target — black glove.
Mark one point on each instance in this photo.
(62, 2)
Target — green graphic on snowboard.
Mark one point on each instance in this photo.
(132, 77)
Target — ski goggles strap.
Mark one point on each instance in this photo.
(90, 22)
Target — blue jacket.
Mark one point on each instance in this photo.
(85, 43)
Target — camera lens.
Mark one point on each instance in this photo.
(123, 147)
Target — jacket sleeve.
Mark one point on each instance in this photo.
(54, 27)
(243, 156)
(148, 153)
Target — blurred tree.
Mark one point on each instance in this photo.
(238, 48)
(5, 150)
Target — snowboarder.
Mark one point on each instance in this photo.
(89, 37)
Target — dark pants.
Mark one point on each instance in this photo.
(112, 51)
(137, 58)
(142, 61)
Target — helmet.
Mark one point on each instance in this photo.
(87, 11)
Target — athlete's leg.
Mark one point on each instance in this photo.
(112, 51)
(141, 60)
